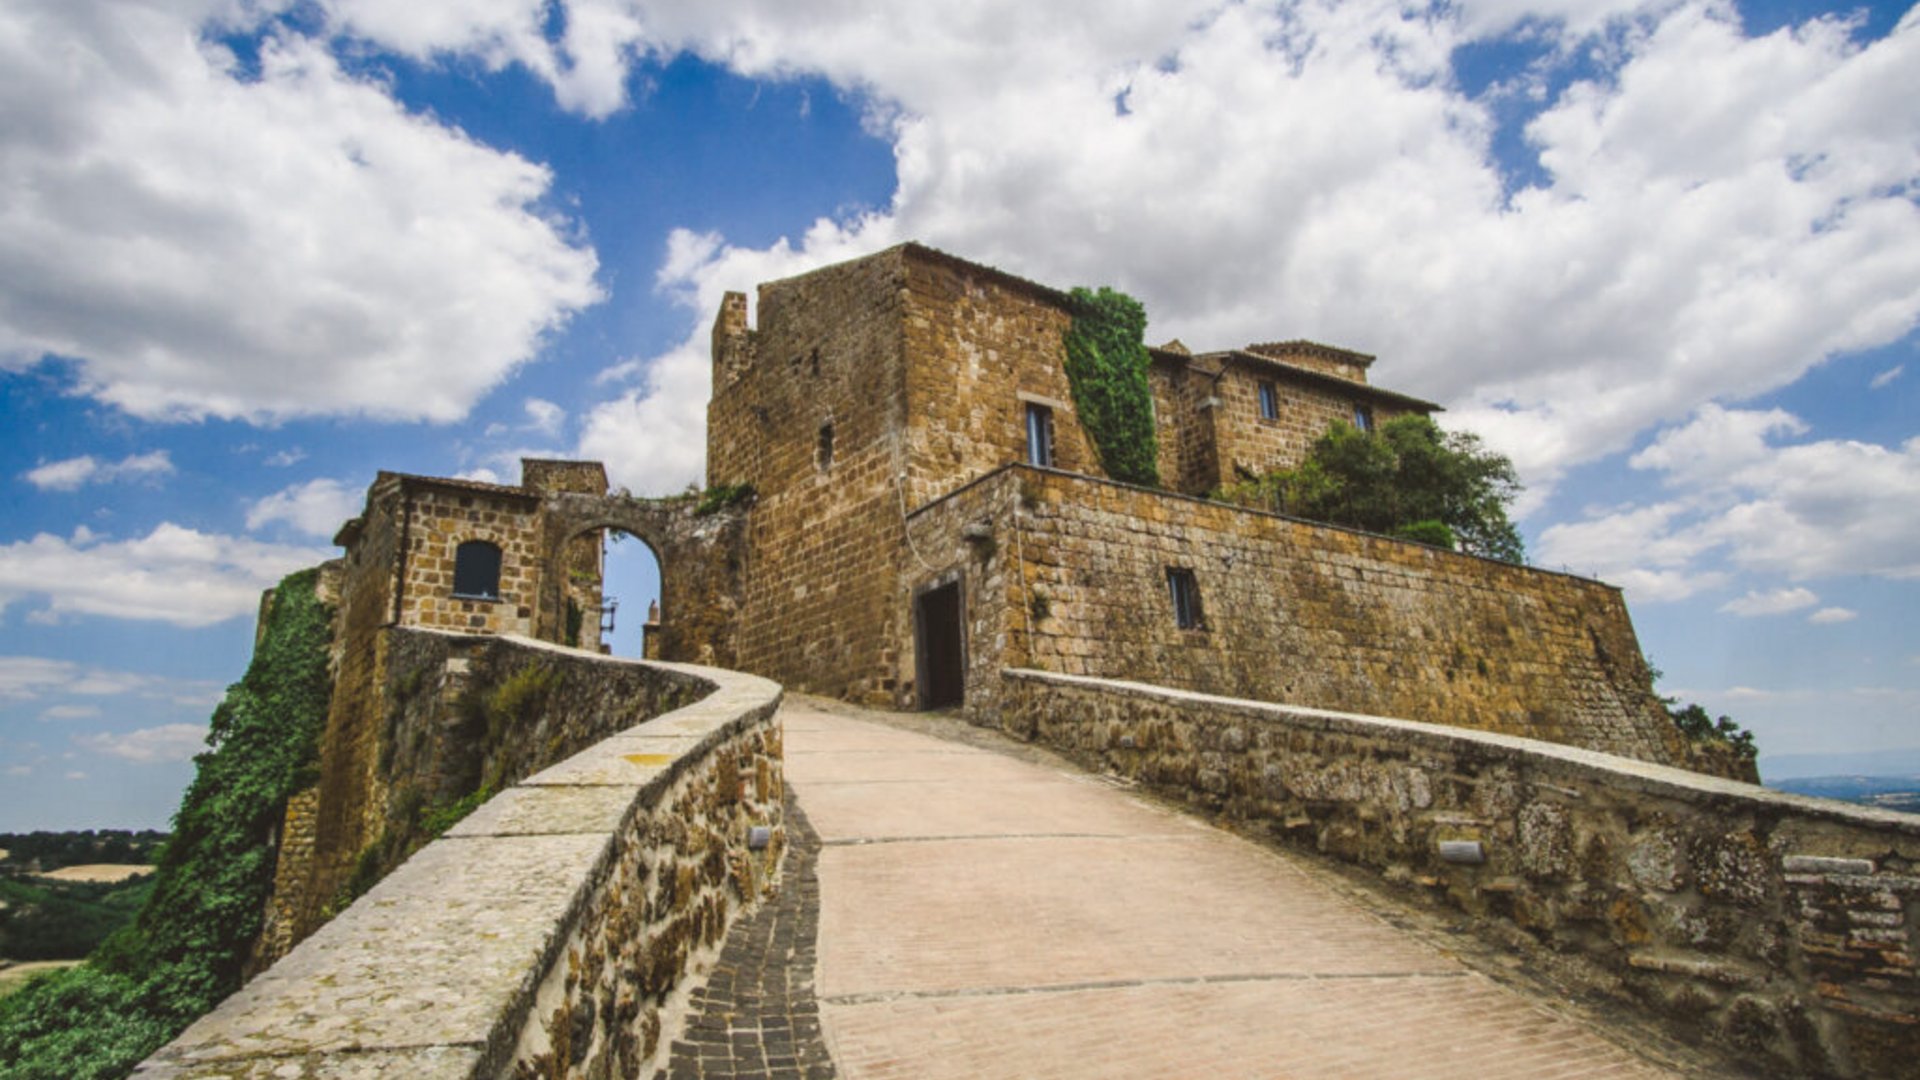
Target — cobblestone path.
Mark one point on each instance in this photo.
(984, 912)
(756, 1016)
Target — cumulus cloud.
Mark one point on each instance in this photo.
(1717, 213)
(1826, 616)
(316, 508)
(33, 678)
(73, 473)
(1771, 602)
(544, 417)
(207, 240)
(1802, 511)
(167, 742)
(173, 574)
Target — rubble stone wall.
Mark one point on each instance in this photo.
(450, 715)
(1307, 409)
(1312, 614)
(820, 610)
(555, 932)
(1779, 925)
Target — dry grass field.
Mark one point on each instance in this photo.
(98, 872)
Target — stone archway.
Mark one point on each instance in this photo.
(700, 558)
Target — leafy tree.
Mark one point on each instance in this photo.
(1409, 479)
(1107, 369)
(1694, 723)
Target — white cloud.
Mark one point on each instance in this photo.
(1637, 548)
(1826, 616)
(545, 417)
(284, 458)
(316, 508)
(1885, 378)
(1714, 443)
(1805, 511)
(173, 574)
(76, 774)
(19, 770)
(1720, 213)
(30, 678)
(208, 241)
(70, 712)
(168, 742)
(72, 473)
(1771, 602)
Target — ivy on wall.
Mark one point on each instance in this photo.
(1107, 368)
(185, 950)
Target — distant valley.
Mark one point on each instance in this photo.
(1886, 792)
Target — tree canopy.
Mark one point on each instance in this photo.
(1407, 479)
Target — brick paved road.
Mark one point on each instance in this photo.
(980, 915)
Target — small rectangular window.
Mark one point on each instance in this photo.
(1363, 417)
(825, 456)
(1186, 598)
(1039, 436)
(1269, 401)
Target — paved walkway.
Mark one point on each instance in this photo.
(981, 915)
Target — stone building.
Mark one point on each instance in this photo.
(928, 512)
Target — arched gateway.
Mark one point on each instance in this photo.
(700, 559)
(486, 558)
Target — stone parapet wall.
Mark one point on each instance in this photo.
(1299, 612)
(556, 932)
(435, 719)
(1779, 925)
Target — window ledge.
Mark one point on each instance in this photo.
(474, 596)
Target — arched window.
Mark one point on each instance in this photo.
(476, 571)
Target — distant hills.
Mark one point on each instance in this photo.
(1886, 792)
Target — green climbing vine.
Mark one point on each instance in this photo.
(185, 950)
(1107, 368)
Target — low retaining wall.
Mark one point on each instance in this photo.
(556, 932)
(1782, 926)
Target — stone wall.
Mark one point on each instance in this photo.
(824, 535)
(556, 932)
(701, 559)
(440, 515)
(443, 718)
(1312, 614)
(1779, 925)
(981, 347)
(1250, 443)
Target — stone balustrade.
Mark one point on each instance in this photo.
(1780, 925)
(555, 932)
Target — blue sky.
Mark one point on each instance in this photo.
(1666, 255)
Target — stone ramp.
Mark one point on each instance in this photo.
(985, 912)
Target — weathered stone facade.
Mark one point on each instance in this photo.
(876, 408)
(455, 717)
(1069, 574)
(559, 930)
(1778, 925)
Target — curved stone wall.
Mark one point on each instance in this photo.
(1778, 924)
(556, 931)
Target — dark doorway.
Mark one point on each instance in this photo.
(939, 647)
